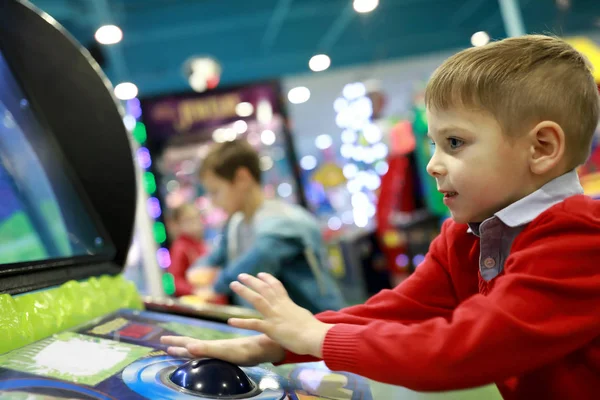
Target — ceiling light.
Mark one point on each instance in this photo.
(299, 95)
(240, 126)
(323, 142)
(319, 63)
(244, 109)
(480, 38)
(203, 73)
(365, 6)
(126, 91)
(267, 137)
(284, 189)
(308, 162)
(109, 34)
(197, 83)
(266, 163)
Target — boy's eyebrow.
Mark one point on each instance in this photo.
(448, 130)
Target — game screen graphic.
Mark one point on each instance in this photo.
(119, 356)
(42, 216)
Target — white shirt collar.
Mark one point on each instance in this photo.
(525, 210)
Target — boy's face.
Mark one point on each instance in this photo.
(190, 222)
(478, 168)
(223, 194)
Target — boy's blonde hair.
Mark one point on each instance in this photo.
(522, 81)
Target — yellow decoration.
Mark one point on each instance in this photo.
(329, 175)
(192, 300)
(336, 260)
(391, 239)
(588, 48)
(591, 184)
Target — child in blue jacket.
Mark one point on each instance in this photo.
(264, 235)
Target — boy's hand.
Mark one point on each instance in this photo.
(201, 277)
(246, 351)
(291, 326)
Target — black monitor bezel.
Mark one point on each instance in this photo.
(109, 250)
(53, 65)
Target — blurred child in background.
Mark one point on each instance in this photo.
(187, 247)
(264, 235)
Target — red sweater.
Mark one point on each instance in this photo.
(533, 330)
(184, 251)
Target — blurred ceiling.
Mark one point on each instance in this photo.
(262, 39)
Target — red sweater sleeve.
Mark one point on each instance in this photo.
(179, 265)
(543, 308)
(426, 294)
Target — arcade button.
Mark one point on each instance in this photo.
(171, 378)
(214, 378)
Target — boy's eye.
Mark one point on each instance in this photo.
(431, 146)
(455, 143)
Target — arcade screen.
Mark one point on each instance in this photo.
(43, 214)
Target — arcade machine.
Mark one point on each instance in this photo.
(71, 326)
(409, 209)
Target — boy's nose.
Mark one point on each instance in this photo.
(435, 168)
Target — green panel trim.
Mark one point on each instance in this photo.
(30, 317)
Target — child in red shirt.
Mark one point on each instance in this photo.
(187, 247)
(509, 292)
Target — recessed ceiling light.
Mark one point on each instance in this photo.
(109, 34)
(299, 95)
(244, 109)
(126, 91)
(320, 62)
(480, 38)
(365, 6)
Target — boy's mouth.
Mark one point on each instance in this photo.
(448, 194)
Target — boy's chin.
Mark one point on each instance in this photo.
(468, 218)
(460, 218)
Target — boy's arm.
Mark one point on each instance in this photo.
(216, 258)
(545, 307)
(265, 255)
(426, 294)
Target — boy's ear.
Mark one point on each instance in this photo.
(547, 147)
(242, 175)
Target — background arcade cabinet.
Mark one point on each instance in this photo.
(70, 325)
(589, 173)
(180, 128)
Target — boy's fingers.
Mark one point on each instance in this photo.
(178, 341)
(215, 349)
(274, 283)
(179, 352)
(255, 284)
(251, 324)
(258, 301)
